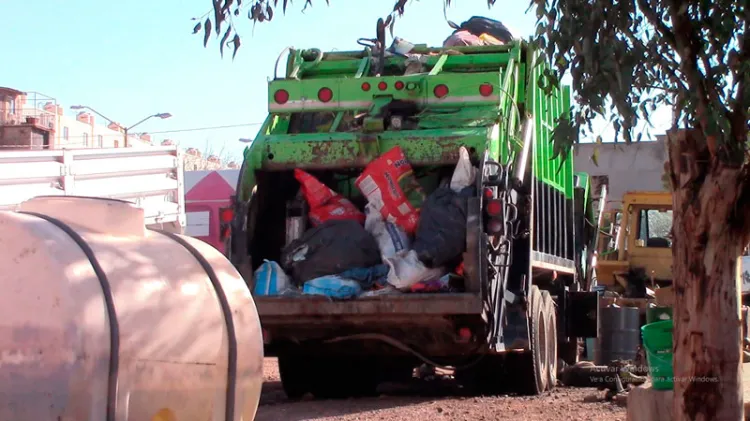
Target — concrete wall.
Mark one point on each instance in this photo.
(637, 166)
(24, 136)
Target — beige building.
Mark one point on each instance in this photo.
(194, 160)
(36, 121)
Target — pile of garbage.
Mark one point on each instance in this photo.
(479, 31)
(402, 241)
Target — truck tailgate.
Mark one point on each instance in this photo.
(390, 305)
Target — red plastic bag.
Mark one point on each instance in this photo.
(389, 185)
(325, 204)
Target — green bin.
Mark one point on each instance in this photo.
(657, 314)
(657, 341)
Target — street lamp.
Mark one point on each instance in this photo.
(125, 129)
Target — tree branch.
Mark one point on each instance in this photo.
(739, 114)
(687, 50)
(656, 22)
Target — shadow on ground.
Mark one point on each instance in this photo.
(274, 405)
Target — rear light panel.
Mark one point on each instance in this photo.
(439, 91)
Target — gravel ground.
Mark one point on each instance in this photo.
(436, 401)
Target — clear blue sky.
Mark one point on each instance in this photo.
(138, 57)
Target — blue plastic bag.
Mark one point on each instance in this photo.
(332, 286)
(270, 279)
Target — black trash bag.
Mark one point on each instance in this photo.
(478, 25)
(329, 249)
(441, 234)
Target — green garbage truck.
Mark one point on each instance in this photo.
(524, 303)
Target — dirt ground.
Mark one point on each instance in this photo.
(435, 401)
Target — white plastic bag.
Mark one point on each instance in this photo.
(465, 173)
(390, 237)
(407, 270)
(270, 279)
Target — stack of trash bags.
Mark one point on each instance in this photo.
(402, 241)
(479, 31)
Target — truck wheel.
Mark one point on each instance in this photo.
(532, 366)
(295, 376)
(551, 336)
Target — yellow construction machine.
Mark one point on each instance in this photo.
(634, 248)
(635, 245)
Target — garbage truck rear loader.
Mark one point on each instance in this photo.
(523, 301)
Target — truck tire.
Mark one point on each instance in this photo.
(551, 336)
(531, 367)
(295, 375)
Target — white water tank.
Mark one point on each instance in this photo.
(102, 319)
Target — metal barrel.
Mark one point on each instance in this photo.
(619, 334)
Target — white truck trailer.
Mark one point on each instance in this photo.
(152, 178)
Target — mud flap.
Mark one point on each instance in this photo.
(515, 335)
(580, 310)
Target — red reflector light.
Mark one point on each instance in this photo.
(366, 86)
(495, 226)
(226, 215)
(382, 86)
(225, 232)
(399, 85)
(488, 193)
(281, 96)
(325, 94)
(485, 89)
(464, 333)
(440, 91)
(494, 207)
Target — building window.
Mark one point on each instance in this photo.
(99, 141)
(85, 140)
(117, 143)
(12, 105)
(65, 133)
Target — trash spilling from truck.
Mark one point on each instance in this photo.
(401, 242)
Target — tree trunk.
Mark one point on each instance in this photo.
(708, 238)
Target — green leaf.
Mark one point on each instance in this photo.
(207, 31)
(224, 41)
(197, 28)
(595, 156)
(237, 43)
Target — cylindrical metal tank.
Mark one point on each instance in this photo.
(103, 319)
(619, 334)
